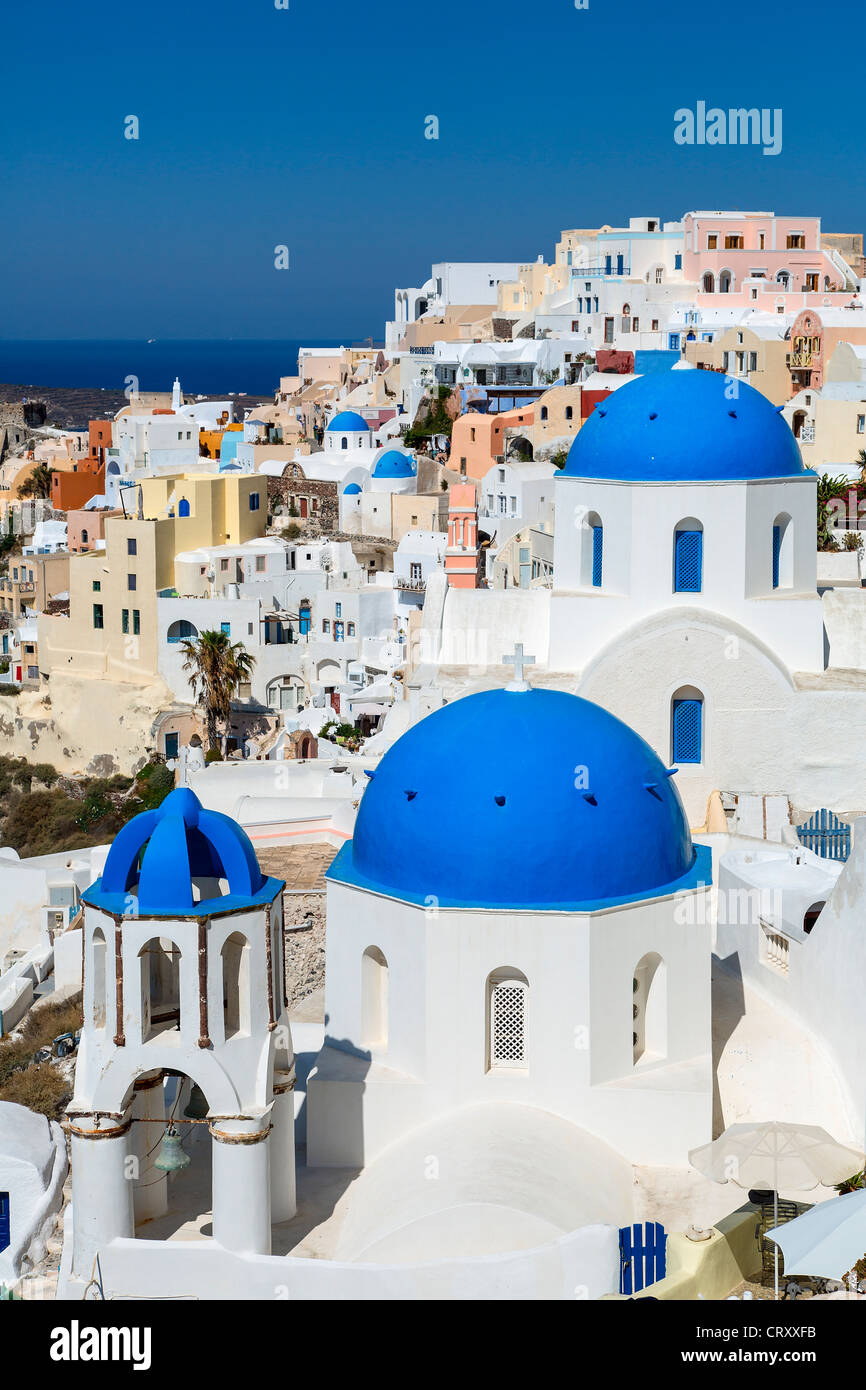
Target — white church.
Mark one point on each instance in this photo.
(525, 1030)
(685, 599)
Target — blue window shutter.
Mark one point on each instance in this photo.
(687, 730)
(688, 561)
(597, 555)
(777, 548)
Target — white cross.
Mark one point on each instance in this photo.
(518, 661)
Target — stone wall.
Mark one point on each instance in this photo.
(288, 490)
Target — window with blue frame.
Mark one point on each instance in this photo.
(304, 619)
(678, 260)
(254, 501)
(5, 1221)
(688, 558)
(674, 341)
(777, 550)
(687, 719)
(226, 628)
(597, 555)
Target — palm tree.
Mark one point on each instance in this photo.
(217, 666)
(37, 483)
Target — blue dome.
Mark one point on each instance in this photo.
(524, 798)
(349, 421)
(351, 490)
(684, 427)
(393, 464)
(155, 858)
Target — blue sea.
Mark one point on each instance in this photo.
(205, 367)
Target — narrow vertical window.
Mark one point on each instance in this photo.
(507, 1001)
(688, 557)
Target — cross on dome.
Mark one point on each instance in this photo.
(518, 661)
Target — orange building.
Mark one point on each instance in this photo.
(478, 440)
(71, 488)
(462, 554)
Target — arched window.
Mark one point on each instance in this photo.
(507, 1001)
(84, 538)
(304, 617)
(688, 556)
(183, 507)
(544, 412)
(687, 725)
(569, 412)
(726, 281)
(98, 996)
(592, 552)
(783, 552)
(344, 443)
(708, 284)
(160, 987)
(783, 278)
(374, 999)
(181, 631)
(811, 916)
(649, 1009)
(236, 985)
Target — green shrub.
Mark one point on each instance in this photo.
(10, 689)
(153, 784)
(213, 755)
(45, 773)
(42, 1088)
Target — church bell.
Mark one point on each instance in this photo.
(197, 1106)
(171, 1157)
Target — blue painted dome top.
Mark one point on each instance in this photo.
(168, 863)
(684, 427)
(351, 490)
(521, 798)
(349, 421)
(394, 464)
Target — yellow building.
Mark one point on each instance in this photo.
(757, 356)
(111, 630)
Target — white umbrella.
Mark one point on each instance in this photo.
(773, 1155)
(826, 1241)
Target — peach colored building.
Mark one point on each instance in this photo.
(759, 260)
(462, 552)
(814, 336)
(85, 528)
(478, 441)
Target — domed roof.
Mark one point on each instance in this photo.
(521, 798)
(154, 859)
(349, 421)
(351, 490)
(393, 464)
(684, 427)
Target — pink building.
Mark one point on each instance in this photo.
(84, 528)
(461, 553)
(761, 261)
(815, 335)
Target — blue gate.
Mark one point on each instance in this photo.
(826, 834)
(5, 1228)
(641, 1256)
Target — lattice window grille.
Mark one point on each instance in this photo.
(508, 1024)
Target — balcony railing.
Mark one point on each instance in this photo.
(415, 585)
(600, 269)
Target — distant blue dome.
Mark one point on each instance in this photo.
(351, 490)
(155, 857)
(684, 427)
(349, 422)
(393, 464)
(485, 803)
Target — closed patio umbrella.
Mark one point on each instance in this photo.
(774, 1155)
(826, 1241)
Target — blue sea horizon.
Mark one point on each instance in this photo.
(205, 366)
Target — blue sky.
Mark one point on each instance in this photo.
(305, 127)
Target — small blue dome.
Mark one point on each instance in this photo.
(351, 490)
(349, 421)
(524, 798)
(155, 858)
(394, 464)
(684, 427)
